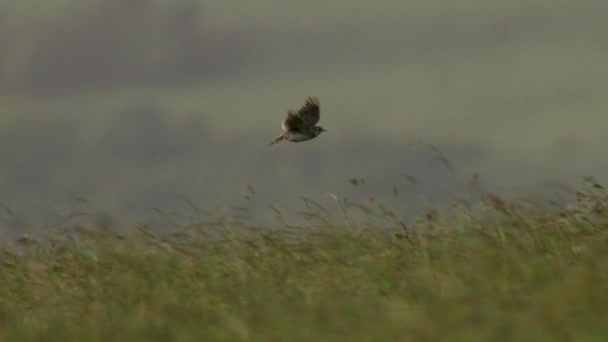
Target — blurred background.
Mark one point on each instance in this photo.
(134, 105)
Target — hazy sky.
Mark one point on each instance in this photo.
(134, 103)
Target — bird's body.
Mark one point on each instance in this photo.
(300, 126)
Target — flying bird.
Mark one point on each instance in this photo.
(301, 125)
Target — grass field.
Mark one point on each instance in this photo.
(498, 269)
(186, 94)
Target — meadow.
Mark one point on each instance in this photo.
(494, 269)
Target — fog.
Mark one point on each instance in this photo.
(135, 105)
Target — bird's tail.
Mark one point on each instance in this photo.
(278, 139)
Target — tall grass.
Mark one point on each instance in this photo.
(497, 269)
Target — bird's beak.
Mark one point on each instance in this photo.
(323, 129)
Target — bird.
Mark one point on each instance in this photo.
(300, 125)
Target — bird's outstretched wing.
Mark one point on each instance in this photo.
(305, 117)
(310, 112)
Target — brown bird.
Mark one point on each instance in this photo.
(300, 126)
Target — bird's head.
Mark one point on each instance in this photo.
(318, 129)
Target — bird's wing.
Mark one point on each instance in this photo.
(305, 117)
(293, 122)
(310, 112)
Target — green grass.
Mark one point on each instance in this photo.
(507, 270)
